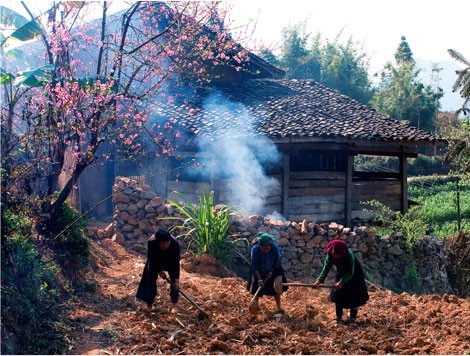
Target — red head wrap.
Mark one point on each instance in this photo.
(337, 247)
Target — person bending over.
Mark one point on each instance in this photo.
(350, 290)
(265, 267)
(163, 254)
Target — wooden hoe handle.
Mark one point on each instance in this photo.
(307, 285)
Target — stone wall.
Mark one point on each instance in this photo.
(387, 261)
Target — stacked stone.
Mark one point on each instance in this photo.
(138, 213)
(431, 272)
(387, 261)
(96, 232)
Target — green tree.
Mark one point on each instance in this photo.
(403, 54)
(402, 96)
(269, 56)
(298, 61)
(458, 137)
(337, 65)
(345, 68)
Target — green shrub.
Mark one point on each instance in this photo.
(70, 244)
(29, 292)
(208, 227)
(413, 278)
(424, 163)
(413, 224)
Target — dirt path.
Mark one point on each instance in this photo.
(94, 314)
(110, 321)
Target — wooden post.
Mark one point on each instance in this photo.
(160, 183)
(214, 184)
(458, 206)
(404, 182)
(285, 186)
(348, 188)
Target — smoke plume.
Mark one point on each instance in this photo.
(238, 154)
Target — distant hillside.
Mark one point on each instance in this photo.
(450, 101)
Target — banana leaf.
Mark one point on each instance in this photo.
(27, 31)
(34, 77)
(10, 18)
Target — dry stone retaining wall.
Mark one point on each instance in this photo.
(387, 261)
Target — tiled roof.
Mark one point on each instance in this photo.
(287, 109)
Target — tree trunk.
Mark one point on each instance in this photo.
(64, 194)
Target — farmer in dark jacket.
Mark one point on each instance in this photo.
(350, 290)
(265, 267)
(163, 254)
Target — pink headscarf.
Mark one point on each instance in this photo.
(337, 247)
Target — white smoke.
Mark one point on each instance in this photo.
(239, 154)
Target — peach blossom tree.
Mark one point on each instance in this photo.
(90, 94)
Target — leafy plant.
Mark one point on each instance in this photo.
(207, 226)
(463, 80)
(71, 246)
(458, 152)
(412, 224)
(413, 278)
(437, 197)
(29, 292)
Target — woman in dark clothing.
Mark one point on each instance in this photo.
(265, 267)
(350, 290)
(163, 254)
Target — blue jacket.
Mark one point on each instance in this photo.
(264, 262)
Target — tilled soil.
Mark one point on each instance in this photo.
(111, 321)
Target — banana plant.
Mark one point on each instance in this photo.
(16, 27)
(22, 30)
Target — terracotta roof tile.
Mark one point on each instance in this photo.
(287, 108)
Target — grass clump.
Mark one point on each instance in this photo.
(207, 226)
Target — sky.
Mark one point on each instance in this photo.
(430, 27)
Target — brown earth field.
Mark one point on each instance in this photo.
(110, 320)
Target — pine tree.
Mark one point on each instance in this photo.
(401, 95)
(403, 54)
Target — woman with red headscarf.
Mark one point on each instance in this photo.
(350, 290)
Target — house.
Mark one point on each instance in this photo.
(316, 133)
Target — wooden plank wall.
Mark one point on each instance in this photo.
(224, 192)
(190, 190)
(317, 196)
(314, 196)
(272, 198)
(387, 192)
